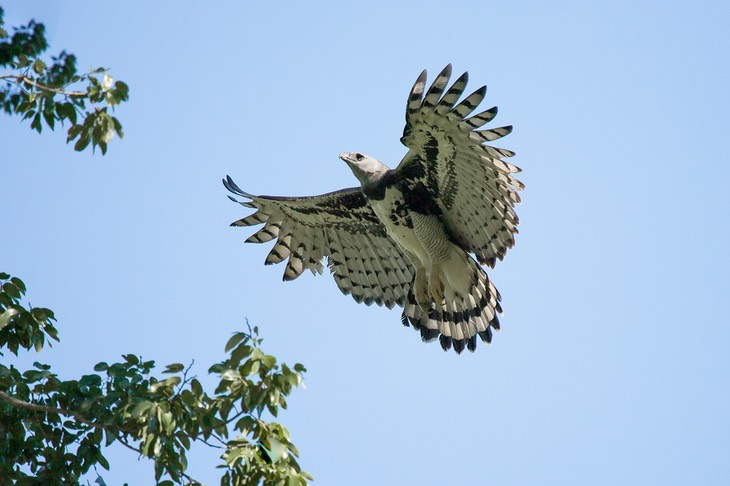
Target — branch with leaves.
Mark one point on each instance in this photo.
(43, 93)
(54, 430)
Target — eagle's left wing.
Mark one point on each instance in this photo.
(468, 179)
(339, 226)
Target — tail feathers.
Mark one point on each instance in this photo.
(462, 318)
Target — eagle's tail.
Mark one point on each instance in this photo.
(466, 312)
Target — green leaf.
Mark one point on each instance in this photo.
(90, 381)
(50, 119)
(6, 316)
(39, 67)
(184, 440)
(196, 387)
(241, 351)
(107, 82)
(168, 423)
(16, 281)
(36, 123)
(82, 143)
(74, 131)
(170, 382)
(118, 127)
(11, 289)
(230, 375)
(23, 61)
(110, 438)
(188, 398)
(101, 366)
(174, 368)
(245, 424)
(269, 361)
(250, 367)
(173, 381)
(40, 315)
(140, 409)
(69, 111)
(276, 449)
(102, 460)
(235, 339)
(296, 481)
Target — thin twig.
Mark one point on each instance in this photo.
(185, 378)
(26, 79)
(212, 445)
(16, 402)
(190, 479)
(125, 444)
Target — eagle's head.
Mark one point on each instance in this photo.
(366, 169)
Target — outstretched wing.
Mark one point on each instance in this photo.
(473, 186)
(339, 226)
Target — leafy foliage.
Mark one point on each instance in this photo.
(49, 93)
(54, 431)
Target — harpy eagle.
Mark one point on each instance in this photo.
(406, 236)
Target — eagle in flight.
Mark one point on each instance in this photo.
(417, 235)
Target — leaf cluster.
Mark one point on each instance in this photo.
(55, 431)
(31, 327)
(50, 91)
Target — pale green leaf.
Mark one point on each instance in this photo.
(6, 316)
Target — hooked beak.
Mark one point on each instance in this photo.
(349, 159)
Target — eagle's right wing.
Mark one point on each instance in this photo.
(340, 226)
(469, 181)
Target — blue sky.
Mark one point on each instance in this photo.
(612, 364)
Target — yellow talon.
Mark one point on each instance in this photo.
(420, 290)
(436, 285)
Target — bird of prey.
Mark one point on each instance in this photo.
(417, 235)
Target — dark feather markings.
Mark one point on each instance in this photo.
(339, 227)
(469, 103)
(450, 157)
(420, 199)
(434, 92)
(452, 95)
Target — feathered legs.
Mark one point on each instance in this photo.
(420, 281)
(429, 282)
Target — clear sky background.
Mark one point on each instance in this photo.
(612, 366)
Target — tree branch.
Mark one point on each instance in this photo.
(126, 444)
(212, 445)
(191, 480)
(26, 79)
(15, 402)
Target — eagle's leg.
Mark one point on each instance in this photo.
(421, 289)
(436, 284)
(420, 281)
(433, 237)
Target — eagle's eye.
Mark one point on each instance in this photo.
(358, 157)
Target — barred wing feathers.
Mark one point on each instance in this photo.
(339, 227)
(471, 182)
